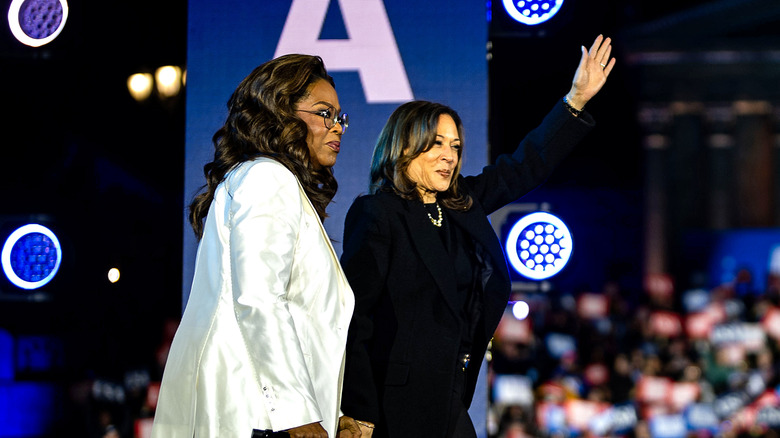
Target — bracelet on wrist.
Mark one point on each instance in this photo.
(364, 424)
(574, 111)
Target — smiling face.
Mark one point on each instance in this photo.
(324, 144)
(434, 169)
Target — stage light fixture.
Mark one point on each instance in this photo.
(31, 256)
(113, 275)
(37, 22)
(532, 12)
(140, 86)
(168, 79)
(520, 310)
(539, 245)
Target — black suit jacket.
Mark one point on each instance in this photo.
(405, 333)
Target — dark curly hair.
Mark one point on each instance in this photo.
(409, 132)
(262, 121)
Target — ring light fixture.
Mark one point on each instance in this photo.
(532, 12)
(37, 22)
(539, 245)
(31, 256)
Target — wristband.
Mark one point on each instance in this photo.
(574, 111)
(364, 424)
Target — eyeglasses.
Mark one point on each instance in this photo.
(330, 119)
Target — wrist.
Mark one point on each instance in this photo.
(576, 100)
(365, 424)
(575, 111)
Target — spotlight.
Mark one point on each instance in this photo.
(113, 275)
(31, 256)
(539, 245)
(37, 22)
(532, 12)
(140, 86)
(168, 80)
(520, 310)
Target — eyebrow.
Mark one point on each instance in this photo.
(454, 139)
(329, 105)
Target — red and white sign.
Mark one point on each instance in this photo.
(510, 329)
(698, 325)
(659, 285)
(653, 389)
(768, 398)
(592, 306)
(771, 322)
(683, 394)
(745, 418)
(665, 324)
(143, 427)
(596, 374)
(580, 412)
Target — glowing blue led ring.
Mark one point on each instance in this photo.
(53, 244)
(545, 245)
(532, 12)
(26, 16)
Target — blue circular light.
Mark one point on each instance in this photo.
(532, 12)
(539, 245)
(37, 22)
(31, 256)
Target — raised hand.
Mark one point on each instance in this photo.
(592, 72)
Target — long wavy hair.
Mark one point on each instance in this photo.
(262, 121)
(409, 132)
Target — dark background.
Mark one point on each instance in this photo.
(105, 173)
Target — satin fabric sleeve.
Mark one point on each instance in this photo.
(365, 259)
(534, 160)
(265, 218)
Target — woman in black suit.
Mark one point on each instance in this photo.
(428, 273)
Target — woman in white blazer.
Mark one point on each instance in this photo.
(260, 347)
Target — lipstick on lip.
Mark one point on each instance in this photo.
(335, 145)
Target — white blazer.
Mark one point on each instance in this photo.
(262, 339)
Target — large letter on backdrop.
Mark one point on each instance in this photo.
(371, 49)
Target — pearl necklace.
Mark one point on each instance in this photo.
(436, 222)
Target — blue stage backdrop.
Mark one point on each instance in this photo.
(380, 53)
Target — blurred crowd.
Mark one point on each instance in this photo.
(120, 403)
(655, 363)
(659, 363)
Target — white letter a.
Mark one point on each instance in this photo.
(371, 48)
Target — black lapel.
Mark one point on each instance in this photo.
(431, 249)
(477, 226)
(471, 221)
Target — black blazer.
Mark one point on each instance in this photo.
(404, 337)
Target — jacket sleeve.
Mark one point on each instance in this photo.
(534, 160)
(365, 259)
(265, 217)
